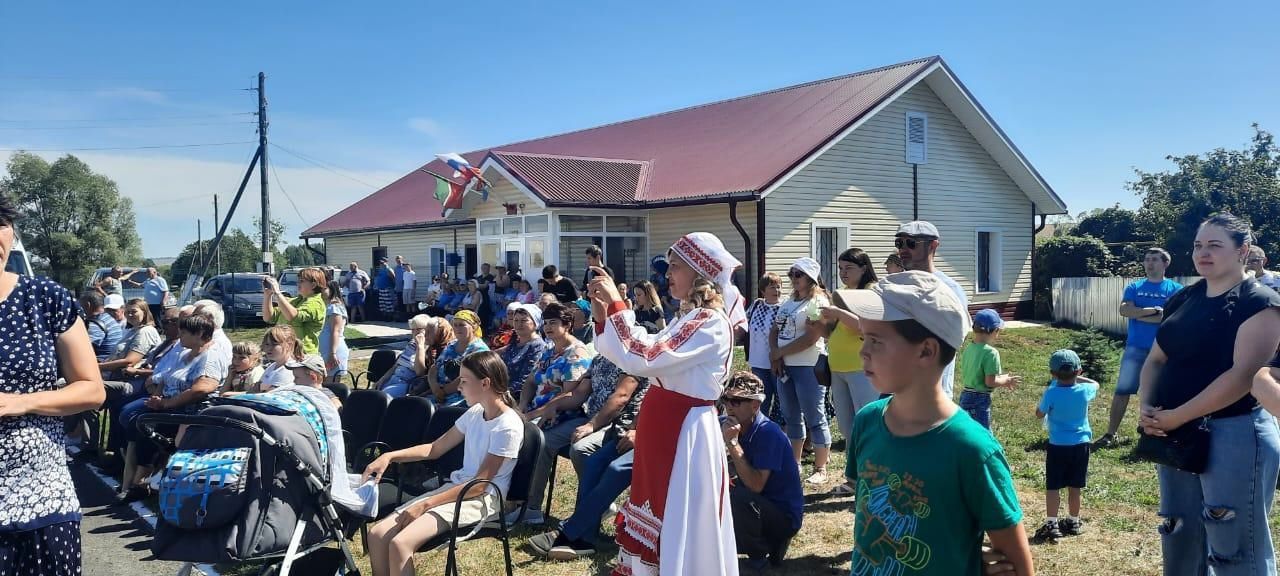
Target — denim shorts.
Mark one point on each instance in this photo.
(1130, 370)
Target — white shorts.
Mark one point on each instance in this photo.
(474, 510)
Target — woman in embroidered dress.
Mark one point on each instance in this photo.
(677, 520)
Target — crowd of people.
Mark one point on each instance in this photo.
(634, 385)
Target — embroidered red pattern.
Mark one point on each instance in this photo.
(669, 341)
(710, 267)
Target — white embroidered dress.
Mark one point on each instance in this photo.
(677, 520)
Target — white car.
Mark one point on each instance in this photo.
(18, 262)
(288, 278)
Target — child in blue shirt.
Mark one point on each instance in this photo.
(1066, 405)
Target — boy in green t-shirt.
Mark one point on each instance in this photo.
(930, 480)
(980, 366)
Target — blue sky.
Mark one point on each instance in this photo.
(1088, 90)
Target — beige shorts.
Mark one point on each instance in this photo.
(474, 510)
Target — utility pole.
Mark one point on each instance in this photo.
(216, 222)
(199, 243)
(262, 172)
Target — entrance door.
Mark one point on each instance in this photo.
(379, 252)
(513, 254)
(470, 265)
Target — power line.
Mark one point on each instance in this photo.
(128, 126)
(287, 197)
(326, 166)
(127, 119)
(96, 149)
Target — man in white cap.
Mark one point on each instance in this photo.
(930, 479)
(917, 244)
(114, 304)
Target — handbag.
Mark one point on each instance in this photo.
(1185, 448)
(822, 369)
(204, 488)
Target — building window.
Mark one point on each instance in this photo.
(437, 260)
(626, 223)
(512, 226)
(988, 265)
(490, 228)
(536, 224)
(573, 257)
(579, 223)
(828, 241)
(622, 237)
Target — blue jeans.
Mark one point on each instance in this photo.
(770, 393)
(1130, 369)
(605, 475)
(978, 405)
(804, 403)
(1216, 522)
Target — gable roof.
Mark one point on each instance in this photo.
(737, 148)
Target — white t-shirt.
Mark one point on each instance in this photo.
(501, 436)
(793, 315)
(276, 375)
(949, 373)
(409, 278)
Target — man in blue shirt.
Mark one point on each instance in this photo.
(1143, 305)
(399, 287)
(767, 499)
(154, 288)
(104, 331)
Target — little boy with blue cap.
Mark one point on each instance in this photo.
(981, 372)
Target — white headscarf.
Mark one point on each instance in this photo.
(708, 256)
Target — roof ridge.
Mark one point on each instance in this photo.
(717, 102)
(567, 157)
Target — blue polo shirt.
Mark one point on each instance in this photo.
(767, 447)
(1145, 294)
(154, 290)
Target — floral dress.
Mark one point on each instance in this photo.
(39, 511)
(450, 362)
(521, 358)
(557, 368)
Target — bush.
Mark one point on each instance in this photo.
(1099, 354)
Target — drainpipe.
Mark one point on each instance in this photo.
(1035, 230)
(759, 245)
(746, 239)
(915, 192)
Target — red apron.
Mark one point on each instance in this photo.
(658, 428)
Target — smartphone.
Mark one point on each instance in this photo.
(265, 283)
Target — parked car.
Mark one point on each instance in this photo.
(239, 293)
(130, 291)
(288, 278)
(18, 262)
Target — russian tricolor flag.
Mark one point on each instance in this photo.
(463, 169)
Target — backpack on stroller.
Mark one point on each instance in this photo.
(249, 481)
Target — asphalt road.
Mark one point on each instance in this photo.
(114, 540)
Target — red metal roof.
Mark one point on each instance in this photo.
(712, 150)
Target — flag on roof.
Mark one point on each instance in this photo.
(463, 169)
(448, 193)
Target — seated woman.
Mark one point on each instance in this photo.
(182, 381)
(491, 433)
(584, 328)
(412, 362)
(648, 307)
(477, 300)
(565, 360)
(280, 346)
(524, 352)
(442, 377)
(139, 339)
(526, 295)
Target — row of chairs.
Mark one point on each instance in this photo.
(373, 423)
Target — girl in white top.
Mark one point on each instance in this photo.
(279, 347)
(760, 318)
(799, 342)
(492, 434)
(677, 520)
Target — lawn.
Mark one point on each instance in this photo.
(254, 334)
(1119, 504)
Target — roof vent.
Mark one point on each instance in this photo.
(917, 138)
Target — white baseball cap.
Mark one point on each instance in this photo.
(918, 228)
(113, 302)
(914, 295)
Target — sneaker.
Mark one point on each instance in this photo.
(1048, 532)
(543, 543)
(1107, 440)
(779, 551)
(610, 513)
(1071, 526)
(819, 477)
(566, 549)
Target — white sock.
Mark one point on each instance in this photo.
(1073, 518)
(1051, 519)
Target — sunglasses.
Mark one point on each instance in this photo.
(796, 274)
(910, 243)
(1254, 261)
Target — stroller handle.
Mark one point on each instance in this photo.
(150, 420)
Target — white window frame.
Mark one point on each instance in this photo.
(557, 234)
(997, 260)
(844, 229)
(444, 259)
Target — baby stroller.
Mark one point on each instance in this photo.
(249, 481)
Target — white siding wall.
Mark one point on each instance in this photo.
(865, 181)
(414, 245)
(503, 191)
(666, 225)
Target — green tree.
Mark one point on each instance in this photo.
(298, 255)
(73, 218)
(1114, 225)
(1243, 182)
(239, 254)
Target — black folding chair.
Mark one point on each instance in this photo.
(362, 414)
(404, 425)
(521, 477)
(382, 361)
(342, 391)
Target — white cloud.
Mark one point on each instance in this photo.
(170, 192)
(441, 137)
(136, 94)
(427, 126)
